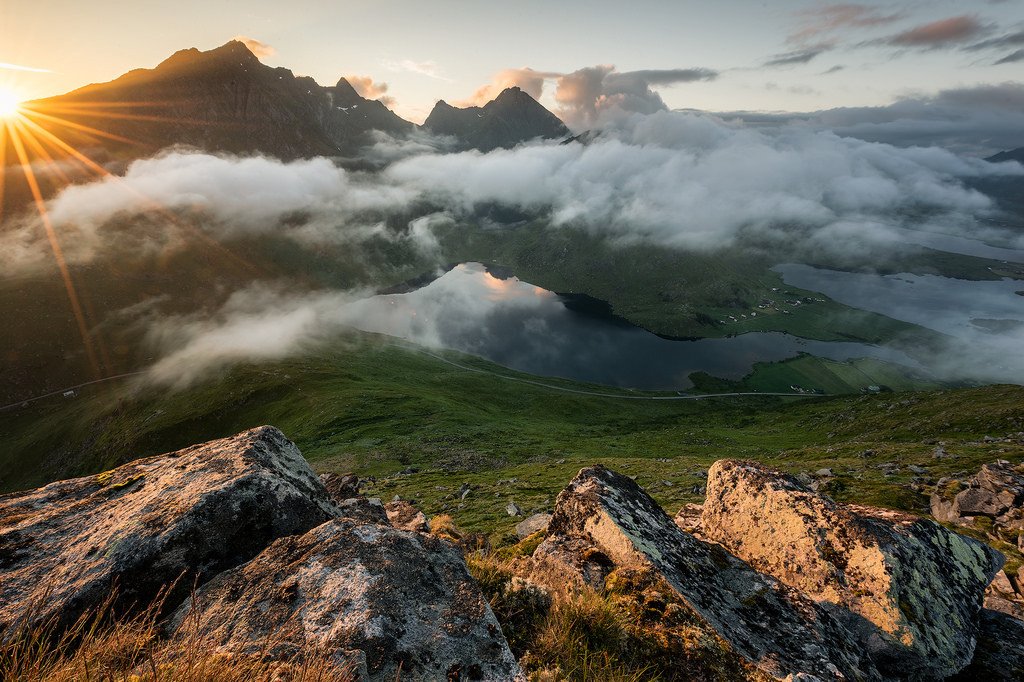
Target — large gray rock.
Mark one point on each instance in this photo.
(908, 588)
(185, 515)
(403, 601)
(604, 521)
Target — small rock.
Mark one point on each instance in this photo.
(364, 510)
(532, 524)
(341, 486)
(404, 516)
(513, 510)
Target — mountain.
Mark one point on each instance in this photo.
(510, 118)
(1012, 155)
(220, 100)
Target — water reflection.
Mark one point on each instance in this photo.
(527, 328)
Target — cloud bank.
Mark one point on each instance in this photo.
(589, 96)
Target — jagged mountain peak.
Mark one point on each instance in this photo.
(509, 119)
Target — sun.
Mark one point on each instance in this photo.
(9, 104)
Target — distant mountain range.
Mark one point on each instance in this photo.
(226, 100)
(1012, 155)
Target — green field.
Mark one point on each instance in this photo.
(380, 409)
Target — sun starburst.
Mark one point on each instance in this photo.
(10, 104)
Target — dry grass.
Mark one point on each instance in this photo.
(635, 629)
(102, 647)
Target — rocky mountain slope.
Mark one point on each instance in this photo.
(509, 119)
(219, 100)
(768, 580)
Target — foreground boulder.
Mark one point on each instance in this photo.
(402, 604)
(907, 587)
(184, 515)
(603, 521)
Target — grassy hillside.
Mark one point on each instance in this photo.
(380, 409)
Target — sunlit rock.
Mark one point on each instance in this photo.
(907, 587)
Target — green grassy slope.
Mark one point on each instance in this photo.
(380, 409)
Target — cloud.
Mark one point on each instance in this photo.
(978, 120)
(836, 17)
(587, 96)
(1008, 40)
(18, 67)
(366, 87)
(693, 182)
(941, 33)
(529, 81)
(835, 69)
(794, 57)
(1012, 58)
(427, 68)
(259, 48)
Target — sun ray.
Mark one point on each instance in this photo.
(40, 151)
(58, 253)
(64, 146)
(29, 113)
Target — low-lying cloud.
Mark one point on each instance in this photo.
(979, 120)
(676, 179)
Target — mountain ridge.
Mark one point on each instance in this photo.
(509, 119)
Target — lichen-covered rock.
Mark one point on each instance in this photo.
(603, 521)
(999, 656)
(405, 600)
(907, 587)
(403, 515)
(187, 515)
(532, 524)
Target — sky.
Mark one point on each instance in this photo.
(783, 55)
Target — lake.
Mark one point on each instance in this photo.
(524, 327)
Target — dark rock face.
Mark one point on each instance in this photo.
(404, 600)
(188, 515)
(604, 521)
(999, 656)
(909, 589)
(225, 100)
(511, 118)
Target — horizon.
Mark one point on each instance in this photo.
(802, 57)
